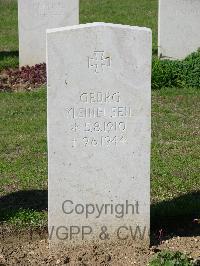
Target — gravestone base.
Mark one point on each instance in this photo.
(126, 241)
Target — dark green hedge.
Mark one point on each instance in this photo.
(177, 73)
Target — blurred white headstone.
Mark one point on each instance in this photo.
(179, 28)
(35, 17)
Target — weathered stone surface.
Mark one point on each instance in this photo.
(99, 131)
(35, 17)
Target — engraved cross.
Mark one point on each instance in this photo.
(98, 62)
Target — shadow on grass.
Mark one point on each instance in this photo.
(11, 204)
(9, 59)
(178, 216)
(8, 54)
(174, 217)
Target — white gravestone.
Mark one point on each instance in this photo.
(35, 17)
(99, 132)
(179, 28)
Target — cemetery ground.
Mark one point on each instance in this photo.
(175, 184)
(174, 180)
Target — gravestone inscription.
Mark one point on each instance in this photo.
(99, 132)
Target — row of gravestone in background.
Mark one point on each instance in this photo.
(179, 22)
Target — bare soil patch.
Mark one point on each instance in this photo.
(31, 248)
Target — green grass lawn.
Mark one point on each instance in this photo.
(131, 12)
(8, 34)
